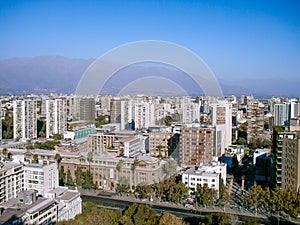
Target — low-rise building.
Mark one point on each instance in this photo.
(28, 209)
(11, 180)
(210, 175)
(68, 203)
(130, 146)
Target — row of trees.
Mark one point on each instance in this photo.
(48, 145)
(134, 215)
(139, 214)
(273, 201)
(83, 178)
(169, 190)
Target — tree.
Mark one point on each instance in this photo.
(216, 219)
(57, 137)
(144, 191)
(122, 188)
(177, 192)
(255, 197)
(58, 158)
(35, 158)
(69, 180)
(135, 164)
(101, 120)
(241, 141)
(205, 195)
(168, 218)
(139, 214)
(4, 152)
(7, 127)
(158, 149)
(62, 176)
(247, 221)
(119, 167)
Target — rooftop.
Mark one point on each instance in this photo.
(68, 195)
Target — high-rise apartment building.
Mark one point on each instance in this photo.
(87, 109)
(190, 110)
(143, 112)
(196, 145)
(221, 117)
(115, 110)
(291, 160)
(25, 119)
(286, 151)
(56, 117)
(295, 108)
(281, 114)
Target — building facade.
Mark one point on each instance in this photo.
(196, 145)
(25, 119)
(42, 178)
(210, 175)
(11, 180)
(56, 117)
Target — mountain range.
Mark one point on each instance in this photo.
(57, 74)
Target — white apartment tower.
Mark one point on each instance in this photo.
(56, 117)
(281, 113)
(190, 110)
(221, 117)
(25, 119)
(295, 108)
(144, 115)
(126, 113)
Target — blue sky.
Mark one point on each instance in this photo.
(257, 39)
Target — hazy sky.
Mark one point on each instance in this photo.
(259, 39)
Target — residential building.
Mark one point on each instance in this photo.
(42, 178)
(69, 203)
(11, 180)
(25, 119)
(281, 114)
(159, 143)
(56, 117)
(210, 175)
(196, 145)
(27, 209)
(143, 112)
(221, 117)
(87, 109)
(115, 110)
(291, 160)
(102, 144)
(295, 108)
(130, 146)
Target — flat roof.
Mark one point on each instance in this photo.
(40, 205)
(68, 195)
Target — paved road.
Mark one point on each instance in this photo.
(112, 201)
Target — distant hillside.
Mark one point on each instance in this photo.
(42, 74)
(46, 74)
